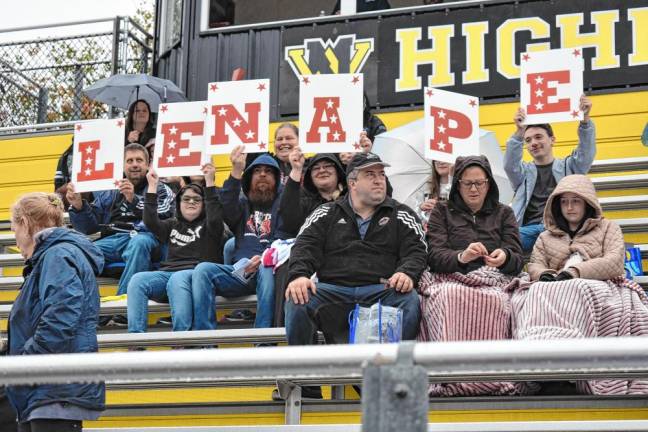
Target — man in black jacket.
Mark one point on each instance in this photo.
(364, 247)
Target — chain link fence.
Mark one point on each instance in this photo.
(41, 80)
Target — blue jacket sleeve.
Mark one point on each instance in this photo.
(232, 206)
(87, 219)
(580, 160)
(62, 297)
(513, 165)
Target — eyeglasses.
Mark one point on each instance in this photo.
(325, 167)
(467, 184)
(195, 199)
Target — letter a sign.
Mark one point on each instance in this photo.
(551, 83)
(451, 125)
(330, 113)
(180, 142)
(98, 156)
(238, 114)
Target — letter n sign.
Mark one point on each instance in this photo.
(238, 114)
(551, 83)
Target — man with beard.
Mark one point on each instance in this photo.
(118, 213)
(364, 247)
(253, 217)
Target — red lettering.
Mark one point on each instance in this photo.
(173, 143)
(326, 115)
(246, 130)
(460, 128)
(89, 171)
(541, 91)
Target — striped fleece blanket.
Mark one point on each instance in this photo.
(473, 306)
(579, 308)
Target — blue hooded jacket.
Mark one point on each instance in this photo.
(236, 211)
(56, 312)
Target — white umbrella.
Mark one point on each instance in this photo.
(409, 173)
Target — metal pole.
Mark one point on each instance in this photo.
(394, 397)
(78, 87)
(115, 45)
(42, 105)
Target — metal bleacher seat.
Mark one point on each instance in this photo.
(616, 165)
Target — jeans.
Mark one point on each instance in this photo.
(210, 280)
(135, 252)
(155, 285)
(228, 251)
(529, 234)
(329, 308)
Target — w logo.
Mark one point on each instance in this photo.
(316, 56)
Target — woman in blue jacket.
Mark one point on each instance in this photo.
(55, 312)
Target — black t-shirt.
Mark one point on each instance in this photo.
(545, 184)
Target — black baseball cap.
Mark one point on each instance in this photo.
(364, 160)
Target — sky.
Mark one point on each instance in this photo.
(22, 13)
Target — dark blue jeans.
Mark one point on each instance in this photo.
(328, 309)
(529, 234)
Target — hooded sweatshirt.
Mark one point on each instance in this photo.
(298, 202)
(189, 242)
(453, 226)
(56, 312)
(254, 227)
(598, 241)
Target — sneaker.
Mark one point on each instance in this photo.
(239, 316)
(165, 321)
(120, 321)
(104, 320)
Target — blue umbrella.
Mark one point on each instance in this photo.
(122, 90)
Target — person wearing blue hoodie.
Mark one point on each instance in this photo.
(56, 312)
(254, 219)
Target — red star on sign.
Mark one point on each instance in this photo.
(262, 145)
(429, 92)
(164, 108)
(355, 80)
(526, 57)
(356, 145)
(576, 52)
(472, 103)
(120, 123)
(575, 113)
(116, 183)
(261, 87)
(213, 87)
(79, 127)
(305, 80)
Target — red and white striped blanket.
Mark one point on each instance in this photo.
(580, 308)
(474, 306)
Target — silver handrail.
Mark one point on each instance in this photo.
(625, 358)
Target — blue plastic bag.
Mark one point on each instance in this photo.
(375, 324)
(633, 266)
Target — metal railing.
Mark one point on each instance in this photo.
(511, 360)
(41, 79)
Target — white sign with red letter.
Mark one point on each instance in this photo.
(98, 157)
(238, 114)
(551, 84)
(180, 142)
(330, 113)
(451, 125)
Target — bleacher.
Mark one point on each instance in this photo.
(620, 174)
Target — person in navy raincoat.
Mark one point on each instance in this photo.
(56, 312)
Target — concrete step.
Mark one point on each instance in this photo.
(621, 182)
(622, 164)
